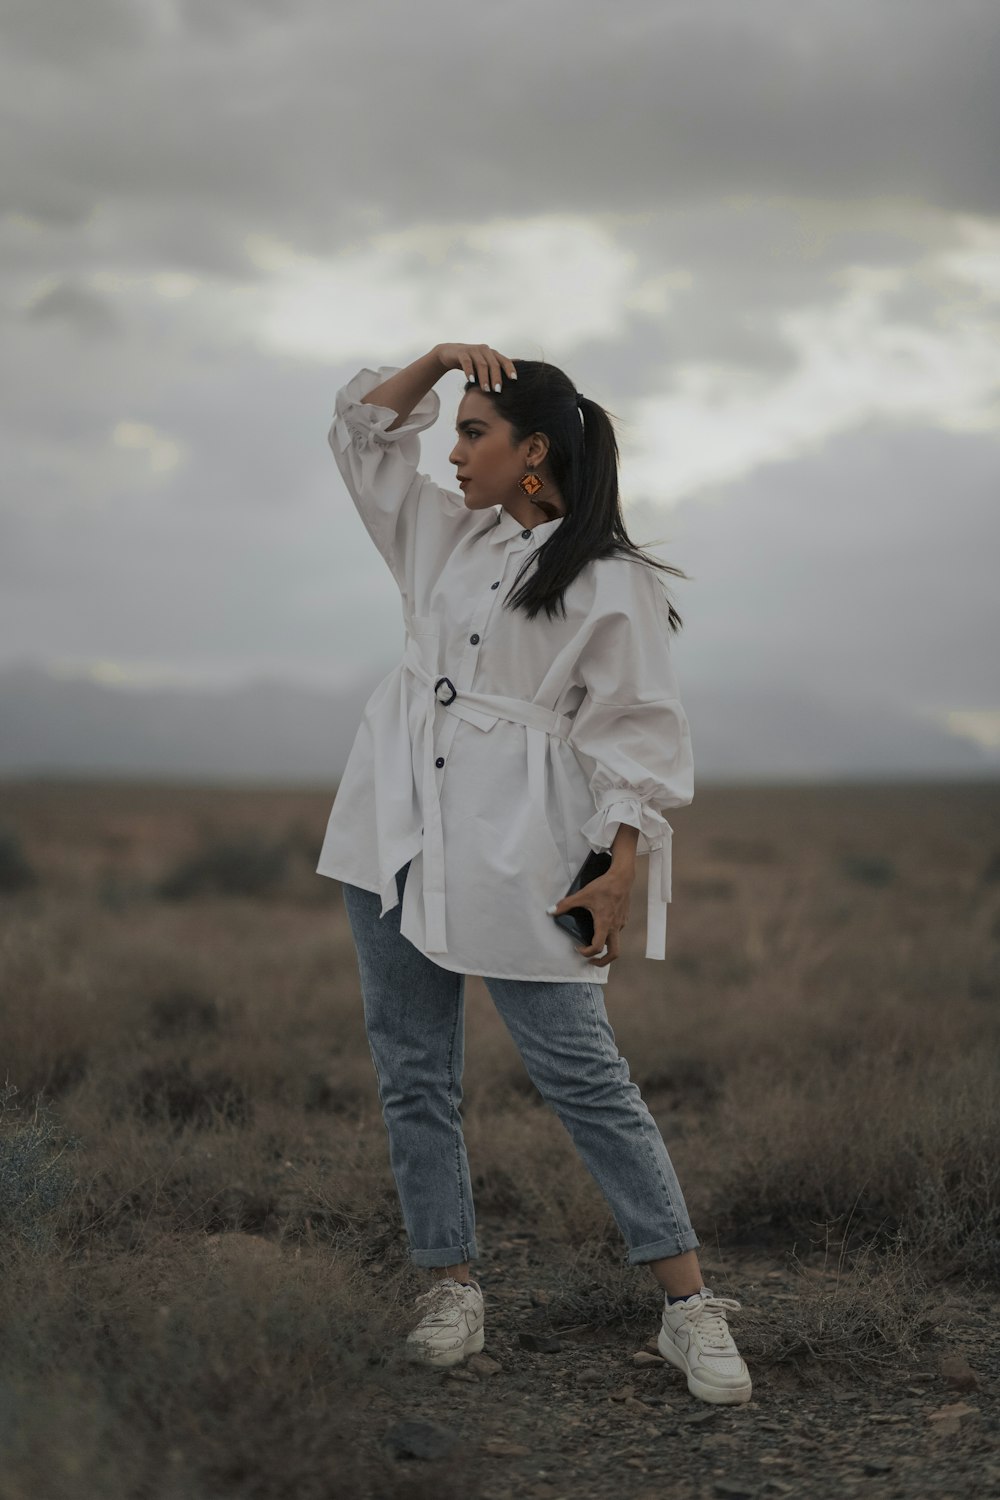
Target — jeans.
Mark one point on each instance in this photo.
(415, 1021)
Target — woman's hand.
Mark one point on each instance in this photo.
(607, 900)
(477, 362)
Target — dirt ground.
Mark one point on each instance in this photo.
(556, 1409)
(218, 1308)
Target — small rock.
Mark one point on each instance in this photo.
(652, 1346)
(502, 1448)
(953, 1410)
(539, 1298)
(539, 1343)
(624, 1393)
(643, 1357)
(958, 1373)
(589, 1377)
(481, 1364)
(413, 1439)
(629, 1410)
(462, 1372)
(732, 1489)
(947, 1420)
(878, 1466)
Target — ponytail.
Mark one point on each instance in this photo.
(584, 458)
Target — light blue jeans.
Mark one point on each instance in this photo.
(415, 1020)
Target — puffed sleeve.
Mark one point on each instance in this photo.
(632, 734)
(379, 467)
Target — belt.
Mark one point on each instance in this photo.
(483, 710)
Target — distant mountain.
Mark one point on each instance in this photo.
(264, 730)
(279, 732)
(784, 734)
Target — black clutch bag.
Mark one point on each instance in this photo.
(578, 920)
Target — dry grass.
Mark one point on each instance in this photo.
(213, 1303)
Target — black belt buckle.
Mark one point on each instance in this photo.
(454, 691)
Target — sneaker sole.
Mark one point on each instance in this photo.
(733, 1395)
(420, 1353)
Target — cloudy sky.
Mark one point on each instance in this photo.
(765, 235)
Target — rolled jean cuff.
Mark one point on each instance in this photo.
(454, 1255)
(660, 1249)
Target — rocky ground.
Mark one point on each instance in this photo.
(553, 1409)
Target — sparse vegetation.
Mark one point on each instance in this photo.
(36, 1174)
(16, 871)
(205, 1280)
(245, 864)
(868, 869)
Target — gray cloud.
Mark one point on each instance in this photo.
(749, 153)
(322, 118)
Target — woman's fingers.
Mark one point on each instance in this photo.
(488, 372)
(612, 945)
(487, 367)
(504, 368)
(604, 958)
(496, 369)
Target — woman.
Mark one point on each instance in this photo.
(506, 746)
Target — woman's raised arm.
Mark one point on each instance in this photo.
(401, 392)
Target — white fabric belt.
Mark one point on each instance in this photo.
(483, 710)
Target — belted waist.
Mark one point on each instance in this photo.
(483, 710)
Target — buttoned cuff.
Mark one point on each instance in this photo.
(366, 424)
(656, 840)
(600, 830)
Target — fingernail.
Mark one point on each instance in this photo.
(550, 909)
(497, 386)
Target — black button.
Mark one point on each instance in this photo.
(495, 585)
(526, 532)
(474, 639)
(440, 761)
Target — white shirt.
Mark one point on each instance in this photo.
(559, 731)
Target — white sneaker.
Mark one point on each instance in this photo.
(452, 1325)
(695, 1337)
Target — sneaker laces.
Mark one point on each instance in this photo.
(440, 1300)
(709, 1317)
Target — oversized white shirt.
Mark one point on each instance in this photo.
(500, 750)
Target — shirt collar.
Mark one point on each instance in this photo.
(507, 527)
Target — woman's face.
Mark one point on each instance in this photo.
(483, 455)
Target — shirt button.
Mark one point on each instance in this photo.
(440, 761)
(474, 640)
(526, 531)
(495, 585)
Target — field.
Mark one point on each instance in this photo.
(204, 1275)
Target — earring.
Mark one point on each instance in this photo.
(530, 482)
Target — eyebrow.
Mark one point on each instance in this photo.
(470, 421)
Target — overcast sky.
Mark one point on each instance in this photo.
(766, 235)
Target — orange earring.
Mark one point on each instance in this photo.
(530, 482)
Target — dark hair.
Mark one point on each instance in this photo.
(583, 457)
